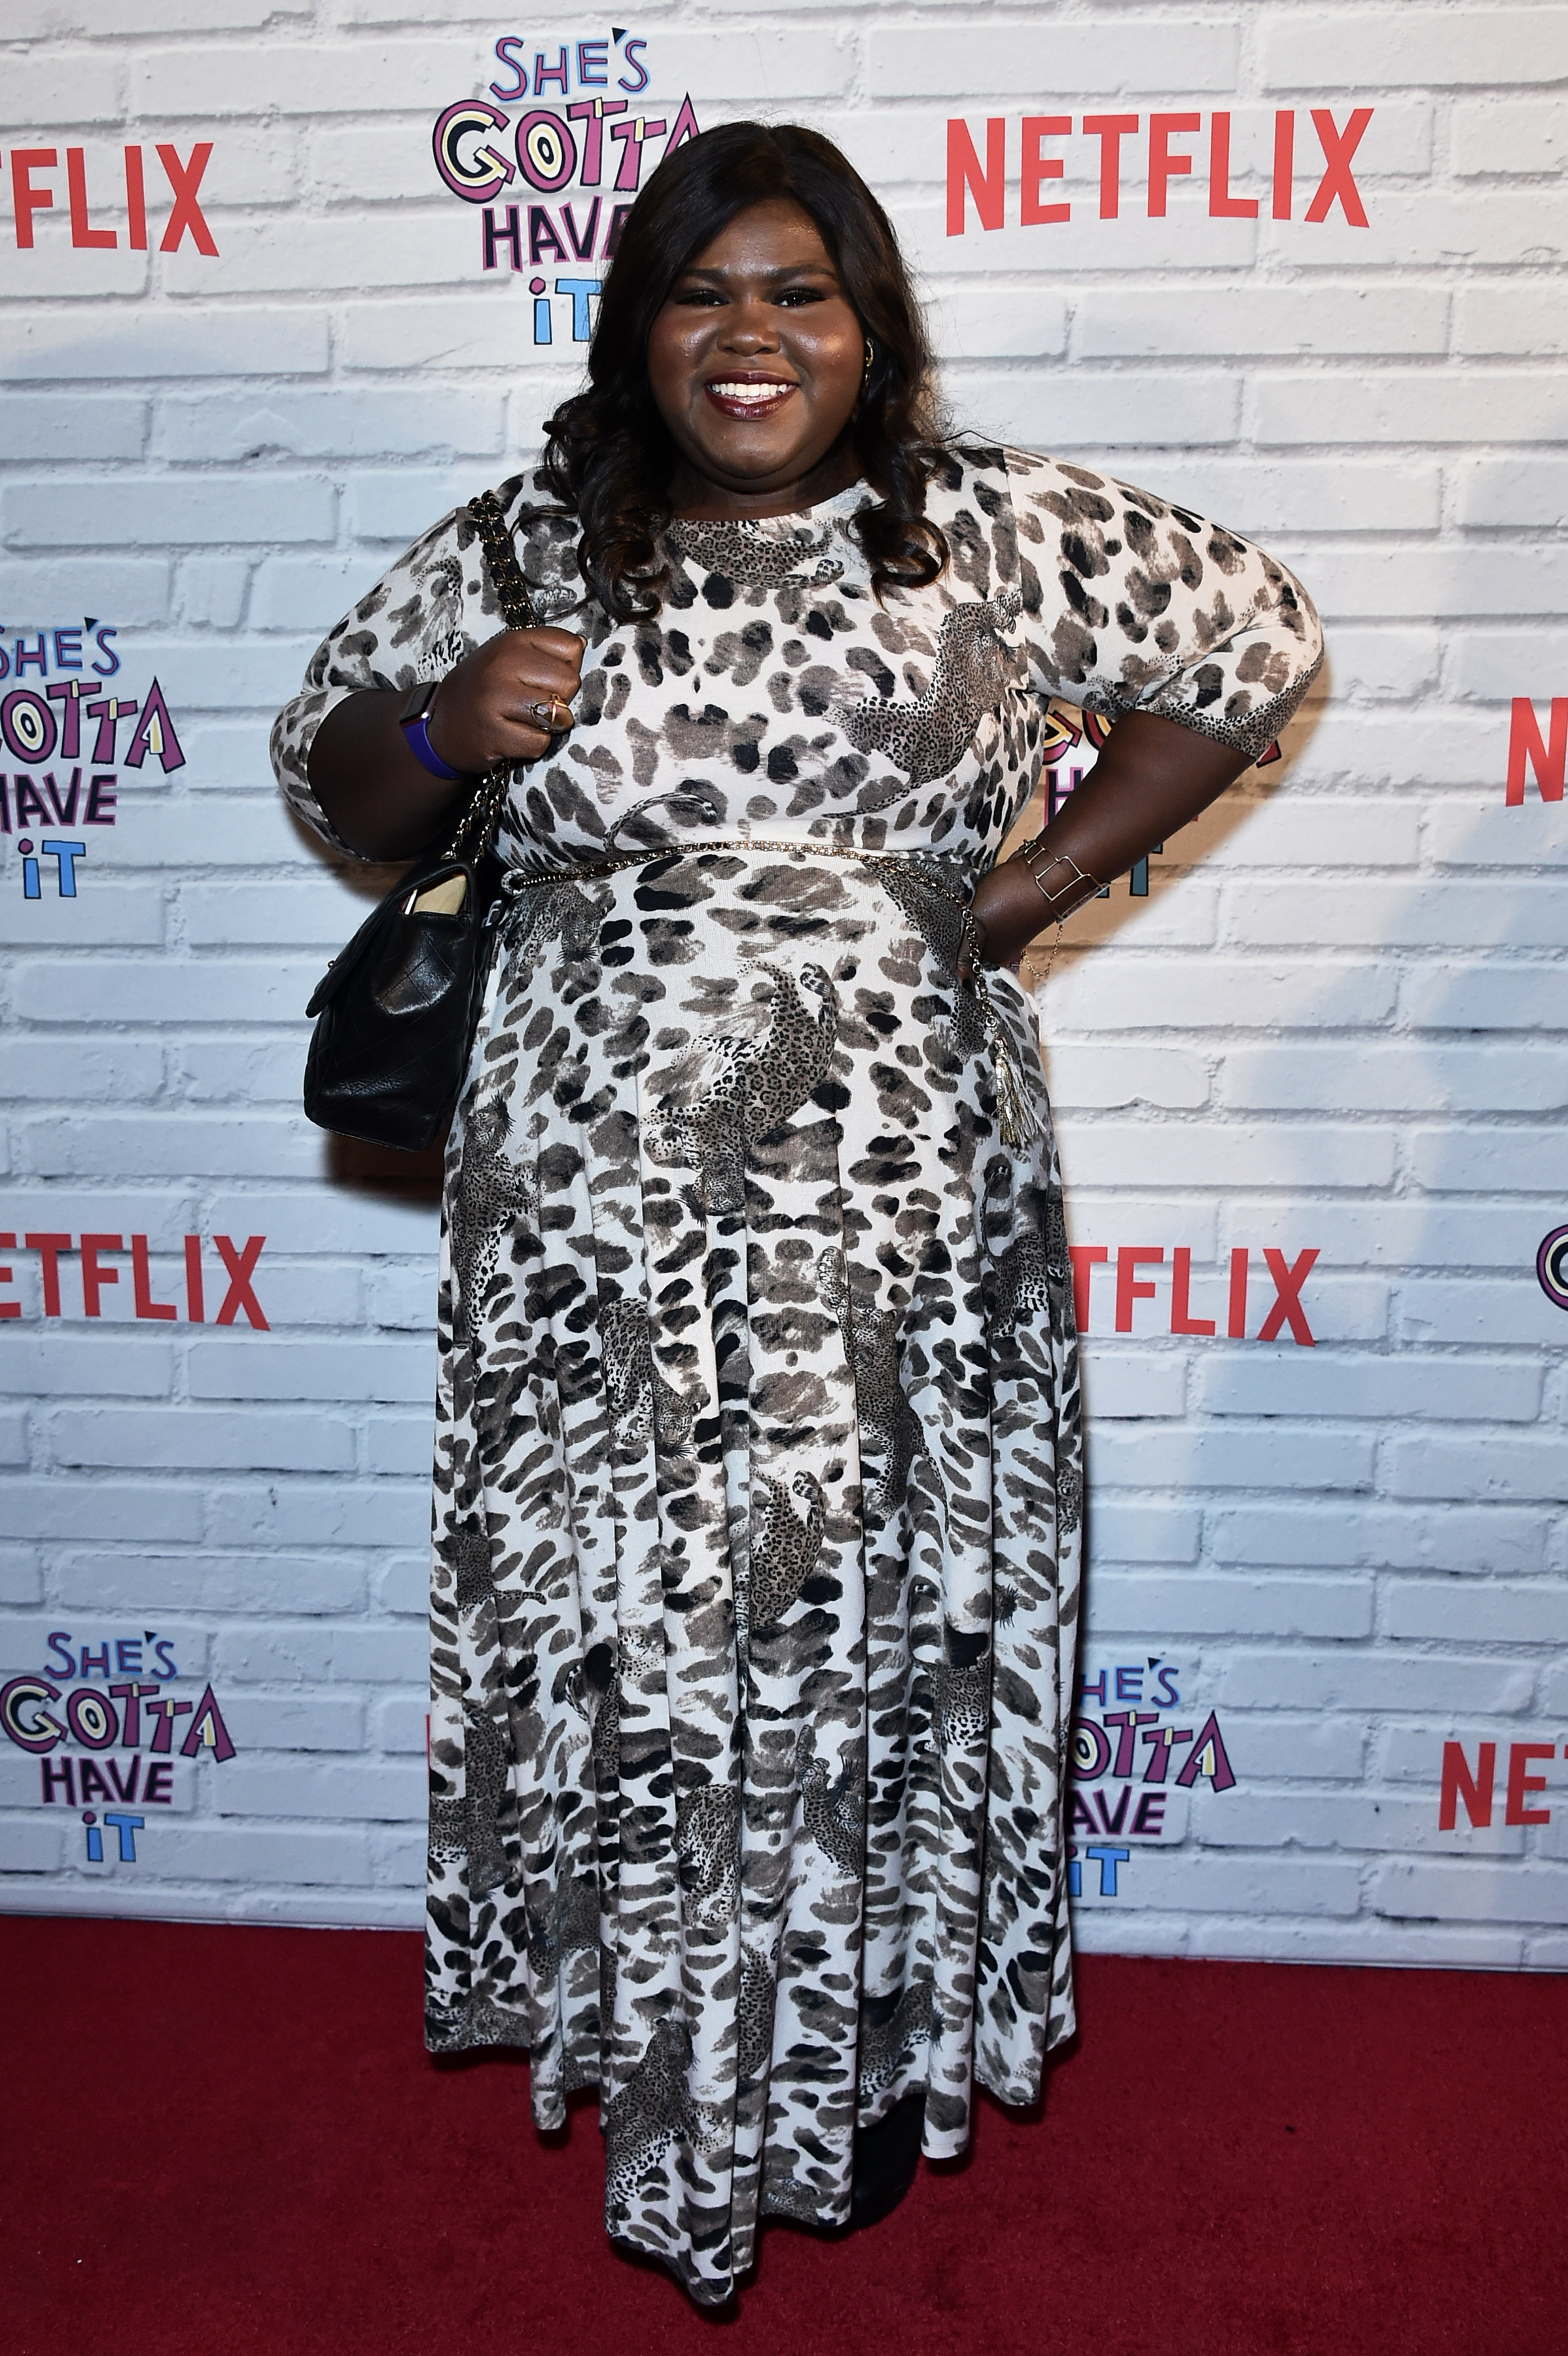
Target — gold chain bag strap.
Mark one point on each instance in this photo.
(480, 822)
(395, 1011)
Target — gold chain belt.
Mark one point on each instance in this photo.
(1016, 1117)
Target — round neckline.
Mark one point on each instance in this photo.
(786, 516)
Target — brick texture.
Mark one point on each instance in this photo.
(1335, 1025)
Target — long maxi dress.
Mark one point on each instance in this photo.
(758, 1496)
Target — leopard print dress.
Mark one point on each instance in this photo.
(757, 1479)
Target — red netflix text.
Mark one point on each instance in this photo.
(1282, 1314)
(127, 179)
(1548, 756)
(1146, 162)
(1475, 1792)
(96, 1271)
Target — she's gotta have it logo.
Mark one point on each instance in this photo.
(554, 154)
(72, 738)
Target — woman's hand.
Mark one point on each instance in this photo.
(506, 702)
(1008, 912)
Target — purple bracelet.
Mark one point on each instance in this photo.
(425, 752)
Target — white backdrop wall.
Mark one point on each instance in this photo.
(1329, 1551)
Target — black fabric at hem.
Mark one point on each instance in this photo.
(885, 2159)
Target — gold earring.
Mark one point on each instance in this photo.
(870, 357)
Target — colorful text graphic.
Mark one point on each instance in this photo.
(1475, 1791)
(147, 1719)
(556, 181)
(114, 1744)
(1018, 166)
(124, 1827)
(1133, 1765)
(580, 292)
(1071, 731)
(33, 726)
(95, 1254)
(146, 1655)
(1548, 758)
(134, 1718)
(1284, 1276)
(60, 650)
(1551, 1267)
(125, 174)
(72, 718)
(65, 855)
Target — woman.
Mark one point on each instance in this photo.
(758, 1488)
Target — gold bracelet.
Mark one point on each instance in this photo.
(1070, 890)
(1053, 900)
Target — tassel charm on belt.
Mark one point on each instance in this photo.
(1016, 1117)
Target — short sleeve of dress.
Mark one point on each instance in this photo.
(1132, 604)
(429, 610)
(381, 643)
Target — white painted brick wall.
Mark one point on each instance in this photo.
(1335, 1023)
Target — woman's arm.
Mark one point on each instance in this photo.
(341, 757)
(1151, 777)
(1197, 643)
(505, 701)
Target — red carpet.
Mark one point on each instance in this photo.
(231, 2142)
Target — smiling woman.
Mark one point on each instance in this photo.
(758, 1495)
(760, 332)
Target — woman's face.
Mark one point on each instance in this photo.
(755, 362)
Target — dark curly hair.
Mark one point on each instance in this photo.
(610, 457)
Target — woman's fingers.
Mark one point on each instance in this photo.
(536, 674)
(537, 703)
(508, 700)
(564, 644)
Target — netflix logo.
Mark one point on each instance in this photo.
(1131, 1267)
(1528, 751)
(96, 1271)
(120, 187)
(1021, 162)
(1475, 1790)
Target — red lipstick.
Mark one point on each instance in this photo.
(744, 392)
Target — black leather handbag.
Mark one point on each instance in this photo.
(395, 1011)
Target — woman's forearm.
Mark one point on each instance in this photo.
(379, 800)
(508, 701)
(1151, 777)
